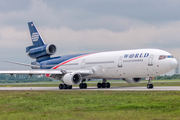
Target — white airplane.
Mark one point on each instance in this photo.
(130, 65)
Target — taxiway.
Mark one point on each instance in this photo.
(156, 88)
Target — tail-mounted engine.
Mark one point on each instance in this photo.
(132, 80)
(72, 79)
(42, 52)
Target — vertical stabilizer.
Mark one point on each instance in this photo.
(35, 36)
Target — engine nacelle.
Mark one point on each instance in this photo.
(41, 51)
(72, 79)
(132, 80)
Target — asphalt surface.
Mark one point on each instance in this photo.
(156, 88)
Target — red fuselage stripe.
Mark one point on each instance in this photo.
(47, 75)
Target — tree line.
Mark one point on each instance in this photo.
(5, 78)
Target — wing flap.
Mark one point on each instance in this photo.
(88, 72)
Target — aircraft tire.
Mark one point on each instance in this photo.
(70, 87)
(65, 86)
(81, 85)
(103, 85)
(84, 85)
(60, 86)
(99, 85)
(108, 85)
(150, 86)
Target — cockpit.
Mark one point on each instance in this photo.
(161, 57)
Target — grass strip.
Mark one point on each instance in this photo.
(90, 105)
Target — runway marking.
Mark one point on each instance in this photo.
(156, 88)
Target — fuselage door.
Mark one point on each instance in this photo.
(150, 61)
(83, 63)
(120, 61)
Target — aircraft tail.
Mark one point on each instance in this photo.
(35, 36)
(39, 50)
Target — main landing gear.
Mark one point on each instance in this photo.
(150, 85)
(104, 84)
(83, 85)
(64, 86)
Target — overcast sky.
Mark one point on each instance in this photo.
(78, 26)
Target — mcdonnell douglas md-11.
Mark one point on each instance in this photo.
(129, 65)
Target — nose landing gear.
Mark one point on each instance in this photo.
(150, 85)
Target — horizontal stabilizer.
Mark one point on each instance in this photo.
(24, 64)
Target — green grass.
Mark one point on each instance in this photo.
(90, 105)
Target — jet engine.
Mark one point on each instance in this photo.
(72, 79)
(132, 80)
(46, 50)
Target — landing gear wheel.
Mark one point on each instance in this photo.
(103, 85)
(108, 85)
(150, 86)
(99, 85)
(65, 86)
(60, 86)
(82, 85)
(70, 87)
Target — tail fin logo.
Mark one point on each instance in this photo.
(35, 36)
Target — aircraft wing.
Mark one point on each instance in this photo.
(45, 71)
(50, 72)
(83, 72)
(30, 72)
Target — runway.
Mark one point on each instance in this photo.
(156, 88)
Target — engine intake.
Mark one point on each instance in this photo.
(72, 78)
(132, 80)
(46, 50)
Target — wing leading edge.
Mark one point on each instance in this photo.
(33, 72)
(43, 72)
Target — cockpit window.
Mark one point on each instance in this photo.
(161, 57)
(170, 56)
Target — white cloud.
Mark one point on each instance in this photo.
(77, 30)
(12, 38)
(140, 36)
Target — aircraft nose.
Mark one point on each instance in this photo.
(173, 63)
